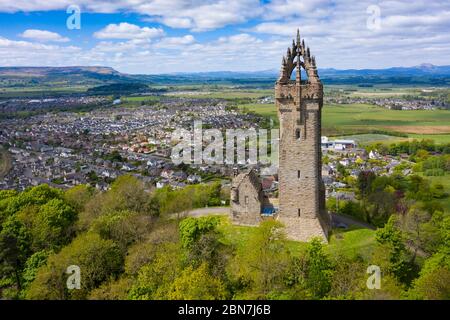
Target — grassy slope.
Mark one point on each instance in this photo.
(351, 242)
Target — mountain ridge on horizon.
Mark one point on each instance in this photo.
(424, 73)
(105, 69)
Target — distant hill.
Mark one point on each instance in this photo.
(60, 76)
(424, 74)
(49, 71)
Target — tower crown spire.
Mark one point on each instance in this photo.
(298, 56)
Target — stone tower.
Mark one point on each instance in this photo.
(301, 189)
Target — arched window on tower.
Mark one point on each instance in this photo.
(298, 134)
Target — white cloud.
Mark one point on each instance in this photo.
(128, 31)
(25, 53)
(411, 33)
(278, 9)
(43, 35)
(176, 41)
(198, 15)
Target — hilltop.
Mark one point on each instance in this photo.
(424, 74)
(61, 76)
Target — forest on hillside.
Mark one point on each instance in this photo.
(131, 243)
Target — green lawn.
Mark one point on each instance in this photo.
(351, 242)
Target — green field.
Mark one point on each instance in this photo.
(438, 138)
(350, 119)
(223, 94)
(138, 101)
(365, 138)
(40, 91)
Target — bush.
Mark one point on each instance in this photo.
(98, 260)
(434, 172)
(192, 228)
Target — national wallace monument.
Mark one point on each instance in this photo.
(300, 187)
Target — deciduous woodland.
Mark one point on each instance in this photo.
(132, 243)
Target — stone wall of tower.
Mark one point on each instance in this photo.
(301, 197)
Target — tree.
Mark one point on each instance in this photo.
(123, 227)
(191, 229)
(127, 193)
(32, 265)
(32, 196)
(139, 255)
(178, 202)
(364, 182)
(348, 278)
(53, 225)
(391, 254)
(78, 196)
(155, 278)
(15, 243)
(196, 284)
(261, 269)
(319, 269)
(98, 259)
(418, 232)
(113, 290)
(434, 279)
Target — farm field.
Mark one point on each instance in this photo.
(372, 137)
(223, 94)
(351, 119)
(438, 138)
(40, 91)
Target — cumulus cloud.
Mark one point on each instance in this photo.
(337, 32)
(176, 41)
(20, 53)
(43, 35)
(197, 15)
(128, 31)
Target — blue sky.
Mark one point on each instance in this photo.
(161, 36)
